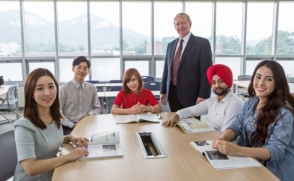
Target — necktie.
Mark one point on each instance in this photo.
(176, 62)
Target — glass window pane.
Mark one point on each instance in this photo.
(105, 69)
(250, 66)
(288, 67)
(136, 37)
(141, 66)
(200, 14)
(47, 65)
(234, 63)
(11, 71)
(259, 29)
(72, 26)
(10, 32)
(159, 64)
(105, 28)
(65, 70)
(285, 41)
(228, 28)
(39, 28)
(164, 30)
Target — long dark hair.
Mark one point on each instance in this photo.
(279, 98)
(30, 108)
(127, 77)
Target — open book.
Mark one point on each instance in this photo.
(136, 118)
(193, 125)
(104, 144)
(220, 161)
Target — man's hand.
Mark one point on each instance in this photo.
(173, 120)
(163, 99)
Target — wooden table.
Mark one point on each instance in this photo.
(245, 85)
(183, 162)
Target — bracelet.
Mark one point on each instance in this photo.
(152, 109)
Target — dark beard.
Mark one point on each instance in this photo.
(223, 92)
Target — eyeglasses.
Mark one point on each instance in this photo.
(181, 23)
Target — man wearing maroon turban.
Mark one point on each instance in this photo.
(221, 109)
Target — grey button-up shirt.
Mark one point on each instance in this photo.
(77, 100)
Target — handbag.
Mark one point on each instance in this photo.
(1, 80)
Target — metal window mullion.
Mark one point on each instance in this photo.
(213, 31)
(23, 48)
(121, 39)
(89, 35)
(153, 63)
(244, 37)
(56, 65)
(275, 29)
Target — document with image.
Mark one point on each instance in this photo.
(193, 125)
(136, 118)
(220, 161)
(104, 144)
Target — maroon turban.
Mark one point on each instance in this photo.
(223, 71)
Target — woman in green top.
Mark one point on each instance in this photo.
(39, 134)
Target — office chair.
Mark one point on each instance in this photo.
(244, 77)
(8, 155)
(115, 88)
(155, 86)
(99, 89)
(290, 79)
(11, 99)
(115, 81)
(148, 79)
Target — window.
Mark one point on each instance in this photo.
(141, 66)
(164, 30)
(11, 71)
(285, 43)
(201, 16)
(233, 62)
(104, 28)
(105, 69)
(228, 28)
(259, 29)
(136, 36)
(47, 65)
(288, 67)
(72, 26)
(10, 29)
(159, 64)
(39, 28)
(250, 66)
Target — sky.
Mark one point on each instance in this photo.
(228, 14)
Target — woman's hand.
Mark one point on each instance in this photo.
(226, 147)
(79, 142)
(173, 120)
(77, 153)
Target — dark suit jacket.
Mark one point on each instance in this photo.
(191, 78)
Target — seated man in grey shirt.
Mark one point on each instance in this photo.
(78, 98)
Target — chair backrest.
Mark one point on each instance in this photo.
(115, 88)
(290, 79)
(148, 79)
(8, 155)
(244, 77)
(93, 81)
(155, 86)
(115, 81)
(12, 94)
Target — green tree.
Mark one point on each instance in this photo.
(141, 48)
(231, 45)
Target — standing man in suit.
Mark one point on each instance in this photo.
(184, 81)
